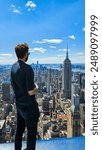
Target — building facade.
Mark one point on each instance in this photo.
(66, 77)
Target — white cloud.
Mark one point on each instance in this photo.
(53, 41)
(29, 9)
(7, 61)
(13, 6)
(80, 53)
(15, 10)
(7, 58)
(39, 41)
(38, 49)
(79, 59)
(6, 55)
(83, 29)
(61, 55)
(64, 49)
(57, 59)
(72, 37)
(48, 60)
(52, 46)
(30, 5)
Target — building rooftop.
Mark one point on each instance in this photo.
(77, 143)
(1, 123)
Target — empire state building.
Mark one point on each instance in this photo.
(66, 77)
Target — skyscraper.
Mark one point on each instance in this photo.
(6, 91)
(45, 105)
(49, 82)
(66, 77)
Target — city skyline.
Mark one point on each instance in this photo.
(61, 101)
(62, 113)
(48, 27)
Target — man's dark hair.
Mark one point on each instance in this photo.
(21, 50)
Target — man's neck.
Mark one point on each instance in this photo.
(22, 60)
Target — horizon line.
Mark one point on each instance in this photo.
(45, 64)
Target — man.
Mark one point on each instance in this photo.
(22, 81)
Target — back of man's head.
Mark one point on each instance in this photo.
(21, 50)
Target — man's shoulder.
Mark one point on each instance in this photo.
(14, 66)
(22, 66)
(15, 63)
(28, 67)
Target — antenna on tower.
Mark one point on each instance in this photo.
(67, 52)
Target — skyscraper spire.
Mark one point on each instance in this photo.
(67, 53)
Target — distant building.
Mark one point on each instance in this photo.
(45, 105)
(2, 113)
(76, 124)
(82, 96)
(6, 91)
(73, 123)
(0, 88)
(37, 62)
(76, 116)
(2, 130)
(73, 115)
(76, 100)
(77, 77)
(66, 77)
(75, 88)
(69, 123)
(83, 81)
(82, 118)
(49, 82)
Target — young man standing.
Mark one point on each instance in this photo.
(22, 81)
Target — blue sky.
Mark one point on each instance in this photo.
(48, 26)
